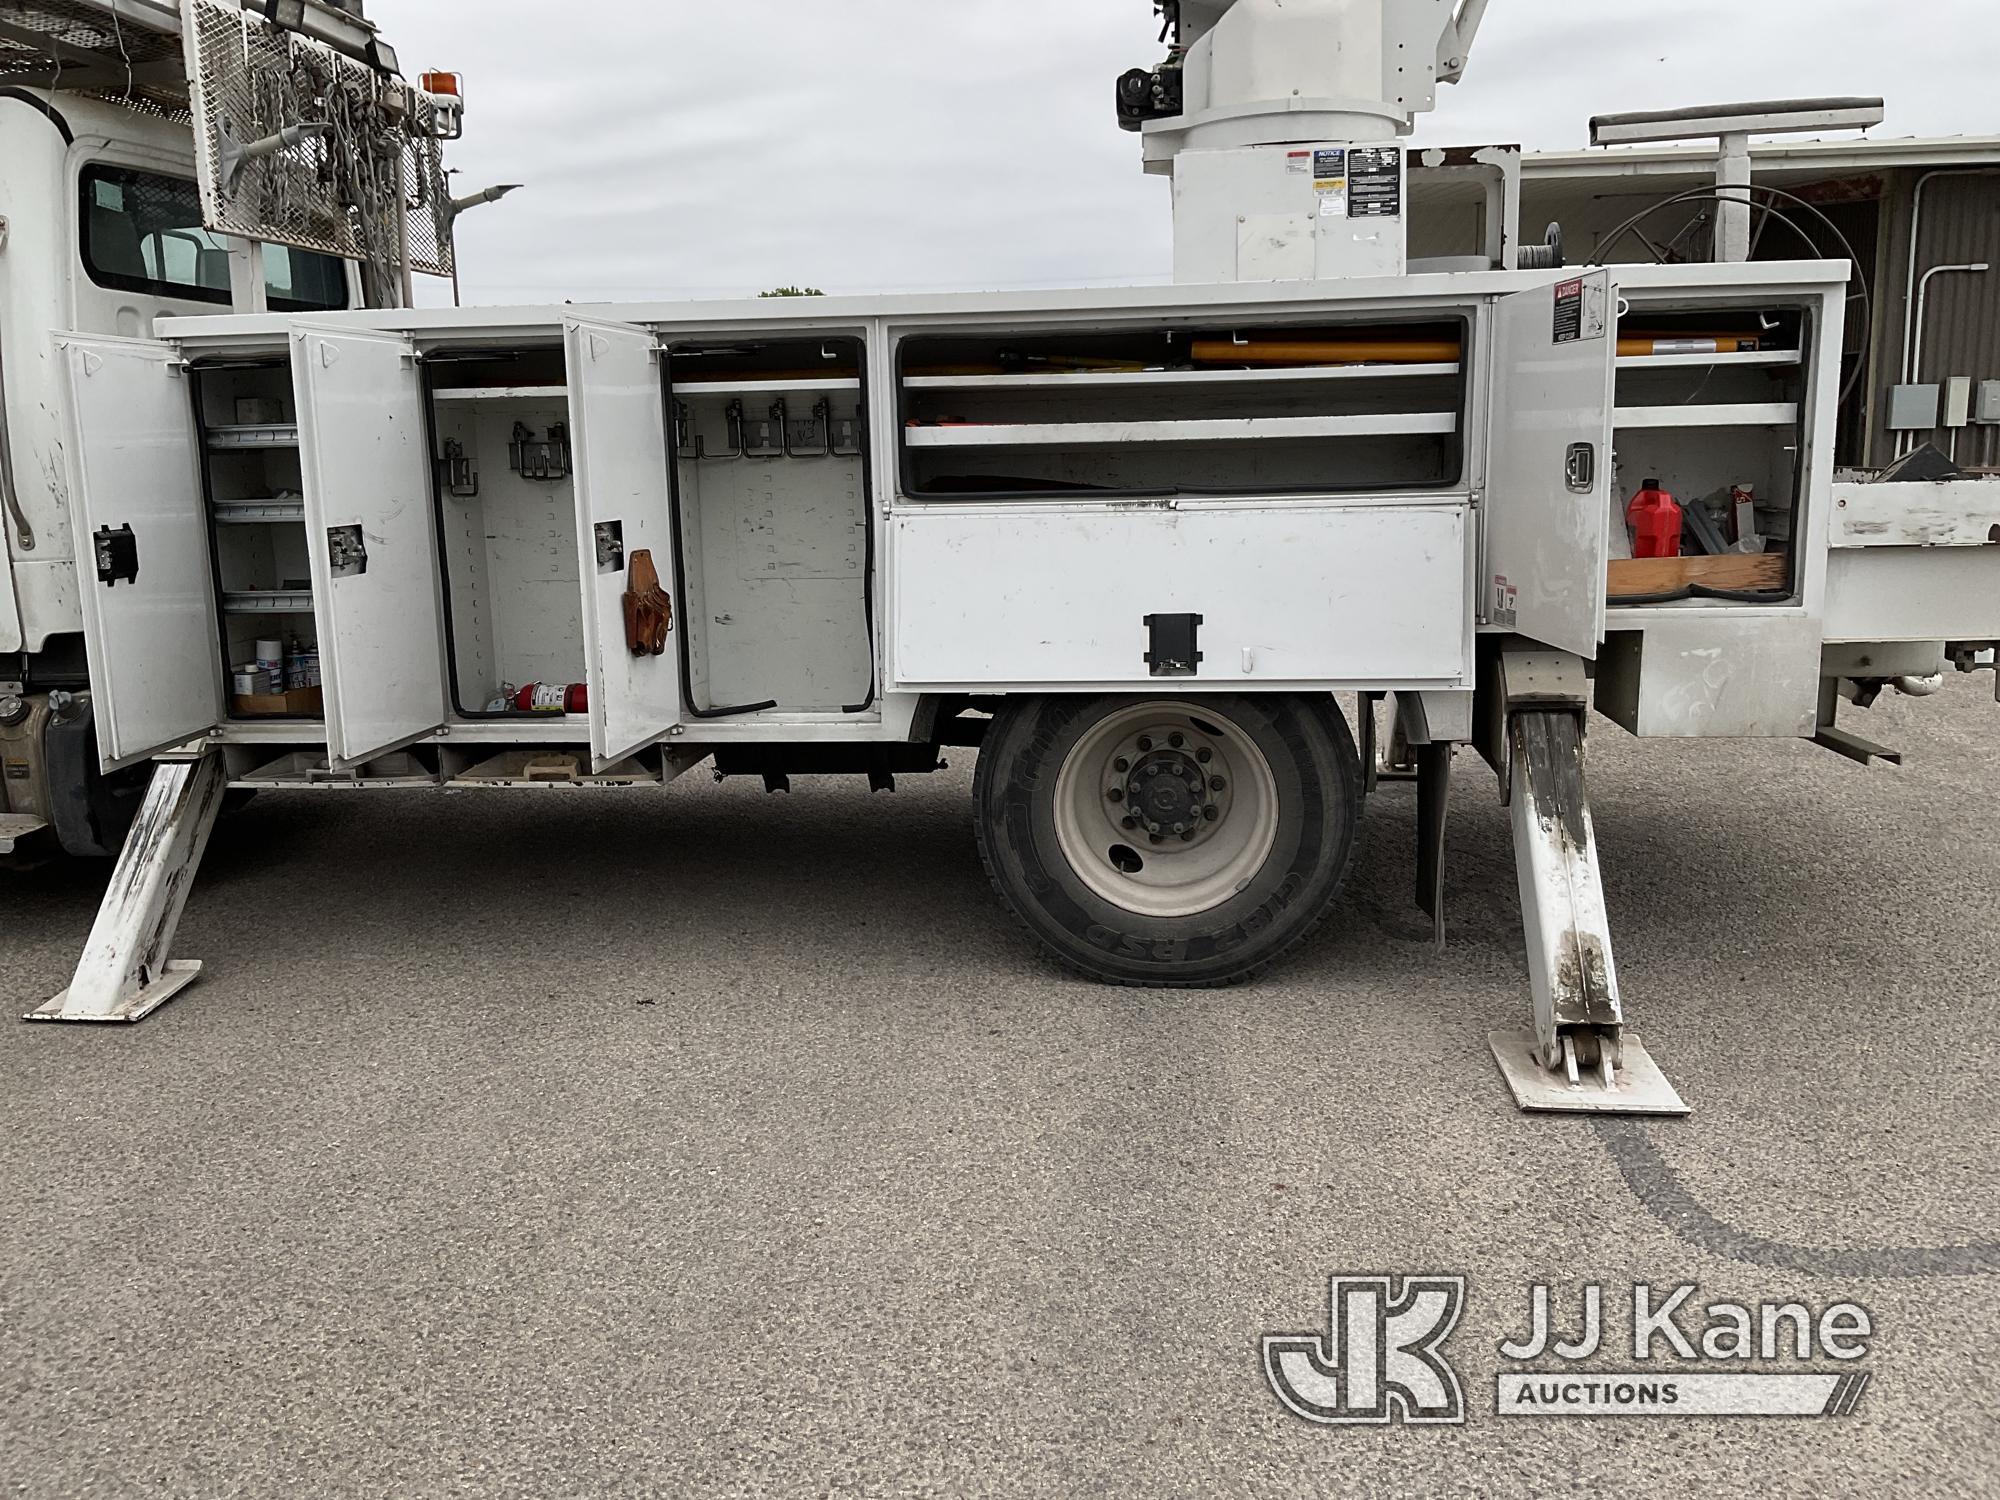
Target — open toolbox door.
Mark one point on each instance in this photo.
(1547, 501)
(144, 575)
(619, 455)
(364, 450)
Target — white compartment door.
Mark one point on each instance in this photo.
(142, 553)
(364, 448)
(1548, 466)
(618, 464)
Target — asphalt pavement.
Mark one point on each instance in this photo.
(702, 1141)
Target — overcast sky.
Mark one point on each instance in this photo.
(673, 148)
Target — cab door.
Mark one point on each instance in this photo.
(1548, 474)
(142, 548)
(364, 450)
(619, 455)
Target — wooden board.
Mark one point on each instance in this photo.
(298, 703)
(1664, 575)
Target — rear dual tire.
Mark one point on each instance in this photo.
(1174, 842)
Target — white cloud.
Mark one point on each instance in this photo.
(674, 149)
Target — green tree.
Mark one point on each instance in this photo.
(793, 291)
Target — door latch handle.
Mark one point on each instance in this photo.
(346, 552)
(1580, 467)
(117, 554)
(610, 542)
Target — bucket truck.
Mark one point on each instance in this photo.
(1142, 547)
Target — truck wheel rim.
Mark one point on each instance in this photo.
(1166, 809)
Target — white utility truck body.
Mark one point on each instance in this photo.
(1132, 543)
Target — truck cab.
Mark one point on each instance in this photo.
(102, 232)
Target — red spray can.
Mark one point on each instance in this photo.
(1655, 519)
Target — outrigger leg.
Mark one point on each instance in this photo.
(1579, 1057)
(125, 973)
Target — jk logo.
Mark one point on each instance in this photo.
(1379, 1361)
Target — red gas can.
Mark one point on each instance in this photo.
(1655, 519)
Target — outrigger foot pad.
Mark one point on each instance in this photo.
(1636, 1086)
(140, 1003)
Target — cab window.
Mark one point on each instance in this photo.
(142, 232)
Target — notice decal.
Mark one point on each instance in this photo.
(1583, 308)
(1375, 182)
(1329, 169)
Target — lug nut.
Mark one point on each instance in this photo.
(1155, 838)
(1211, 812)
(1177, 740)
(1115, 795)
(1128, 823)
(1153, 770)
(1204, 755)
(1121, 764)
(1188, 837)
(1216, 783)
(1145, 742)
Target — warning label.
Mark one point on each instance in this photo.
(1375, 182)
(1329, 169)
(1582, 308)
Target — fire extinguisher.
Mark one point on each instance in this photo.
(1655, 519)
(552, 698)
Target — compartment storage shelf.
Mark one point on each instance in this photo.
(260, 435)
(1102, 434)
(694, 385)
(1128, 379)
(1646, 577)
(502, 393)
(250, 512)
(268, 602)
(1703, 361)
(1751, 414)
(1334, 406)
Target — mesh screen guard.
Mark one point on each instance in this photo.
(374, 151)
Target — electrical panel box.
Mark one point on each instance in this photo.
(1913, 408)
(1986, 401)
(1957, 400)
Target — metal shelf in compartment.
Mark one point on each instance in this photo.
(1142, 379)
(1743, 414)
(1742, 357)
(255, 435)
(501, 393)
(268, 602)
(694, 385)
(1214, 429)
(256, 509)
